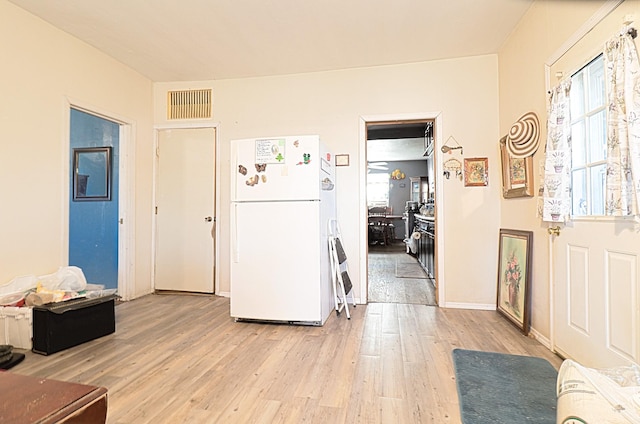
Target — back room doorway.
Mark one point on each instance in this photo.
(400, 173)
(94, 200)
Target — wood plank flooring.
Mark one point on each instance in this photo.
(182, 359)
(386, 287)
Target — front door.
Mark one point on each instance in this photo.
(93, 216)
(595, 257)
(185, 223)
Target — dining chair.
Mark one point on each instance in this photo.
(378, 225)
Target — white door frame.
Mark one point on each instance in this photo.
(176, 126)
(369, 119)
(126, 191)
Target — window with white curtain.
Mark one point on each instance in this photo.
(588, 139)
(378, 189)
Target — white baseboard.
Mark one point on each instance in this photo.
(540, 338)
(477, 306)
(137, 295)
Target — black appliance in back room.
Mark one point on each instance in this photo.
(420, 224)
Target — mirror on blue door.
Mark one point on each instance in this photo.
(92, 173)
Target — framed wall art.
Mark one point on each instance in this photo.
(514, 277)
(517, 174)
(342, 160)
(476, 172)
(92, 174)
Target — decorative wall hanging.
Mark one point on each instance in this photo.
(524, 136)
(448, 148)
(476, 172)
(397, 175)
(453, 166)
(517, 174)
(514, 275)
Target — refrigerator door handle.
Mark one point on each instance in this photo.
(235, 251)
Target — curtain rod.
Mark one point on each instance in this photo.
(631, 31)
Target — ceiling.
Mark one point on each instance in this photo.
(398, 141)
(411, 129)
(193, 40)
(392, 150)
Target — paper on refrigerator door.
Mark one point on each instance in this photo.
(271, 150)
(276, 169)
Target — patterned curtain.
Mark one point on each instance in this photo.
(556, 196)
(622, 71)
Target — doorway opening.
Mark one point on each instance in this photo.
(400, 187)
(94, 204)
(101, 210)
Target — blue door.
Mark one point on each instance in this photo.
(93, 220)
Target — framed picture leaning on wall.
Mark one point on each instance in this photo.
(514, 277)
(517, 174)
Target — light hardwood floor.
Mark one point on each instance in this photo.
(386, 287)
(182, 359)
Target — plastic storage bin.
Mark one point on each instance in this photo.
(15, 326)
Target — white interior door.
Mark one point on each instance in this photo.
(185, 222)
(595, 290)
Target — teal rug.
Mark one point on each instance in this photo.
(499, 388)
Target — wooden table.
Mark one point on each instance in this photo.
(381, 228)
(27, 399)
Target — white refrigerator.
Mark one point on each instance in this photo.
(282, 197)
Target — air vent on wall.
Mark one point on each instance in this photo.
(189, 104)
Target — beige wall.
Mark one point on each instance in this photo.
(43, 70)
(46, 69)
(331, 104)
(540, 38)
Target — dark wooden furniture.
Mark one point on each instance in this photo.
(381, 227)
(419, 189)
(39, 400)
(426, 243)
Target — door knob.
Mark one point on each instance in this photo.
(208, 219)
(554, 231)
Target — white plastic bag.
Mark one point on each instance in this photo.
(67, 278)
(19, 285)
(590, 395)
